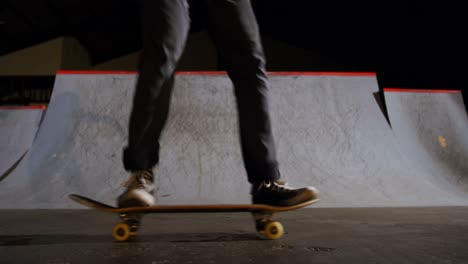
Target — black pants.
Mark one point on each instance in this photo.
(233, 27)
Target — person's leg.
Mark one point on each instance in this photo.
(164, 28)
(234, 29)
(145, 127)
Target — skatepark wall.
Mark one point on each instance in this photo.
(432, 127)
(330, 133)
(18, 127)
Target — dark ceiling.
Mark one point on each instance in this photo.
(408, 45)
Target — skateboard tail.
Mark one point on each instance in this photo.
(89, 202)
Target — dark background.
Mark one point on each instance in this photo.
(408, 45)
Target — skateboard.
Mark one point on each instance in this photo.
(131, 216)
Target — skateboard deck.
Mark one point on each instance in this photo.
(131, 216)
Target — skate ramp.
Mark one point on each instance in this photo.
(432, 128)
(330, 133)
(18, 127)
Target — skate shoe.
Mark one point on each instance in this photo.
(139, 191)
(277, 193)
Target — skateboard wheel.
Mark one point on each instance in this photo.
(121, 232)
(273, 230)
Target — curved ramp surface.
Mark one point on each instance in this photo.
(330, 133)
(18, 127)
(432, 127)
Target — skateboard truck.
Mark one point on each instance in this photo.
(266, 226)
(128, 228)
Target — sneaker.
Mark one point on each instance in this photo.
(139, 191)
(277, 193)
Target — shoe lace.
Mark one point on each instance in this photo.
(139, 179)
(276, 186)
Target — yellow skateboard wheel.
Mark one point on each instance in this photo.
(121, 232)
(273, 230)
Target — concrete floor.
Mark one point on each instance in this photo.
(315, 235)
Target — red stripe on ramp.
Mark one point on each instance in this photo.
(406, 90)
(42, 107)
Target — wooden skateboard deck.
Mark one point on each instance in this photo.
(131, 216)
